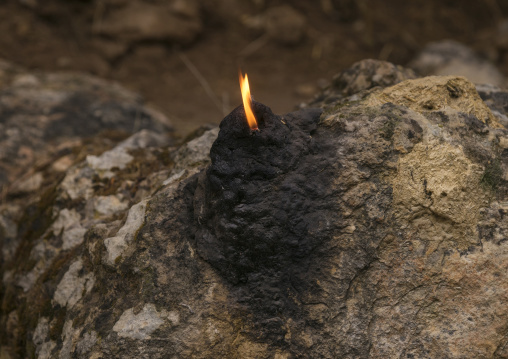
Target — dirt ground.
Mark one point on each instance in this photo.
(195, 82)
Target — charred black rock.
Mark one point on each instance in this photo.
(257, 213)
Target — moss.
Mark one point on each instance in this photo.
(61, 260)
(164, 156)
(30, 350)
(98, 144)
(29, 313)
(78, 321)
(493, 174)
(9, 295)
(147, 210)
(336, 108)
(145, 162)
(388, 129)
(56, 328)
(2, 236)
(118, 260)
(36, 219)
(148, 286)
(198, 132)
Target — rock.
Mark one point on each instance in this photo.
(29, 3)
(496, 99)
(371, 227)
(140, 326)
(49, 114)
(502, 35)
(437, 93)
(285, 24)
(360, 77)
(452, 58)
(30, 184)
(176, 21)
(110, 50)
(306, 90)
(342, 10)
(72, 286)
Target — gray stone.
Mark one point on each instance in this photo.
(87, 342)
(141, 325)
(359, 78)
(72, 286)
(497, 100)
(449, 57)
(46, 114)
(109, 204)
(116, 245)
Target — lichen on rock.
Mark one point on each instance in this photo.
(141, 325)
(115, 246)
(437, 93)
(438, 189)
(71, 288)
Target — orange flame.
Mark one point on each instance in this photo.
(247, 102)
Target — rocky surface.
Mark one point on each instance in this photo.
(283, 24)
(45, 117)
(360, 77)
(176, 21)
(371, 227)
(450, 57)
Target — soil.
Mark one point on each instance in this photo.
(58, 35)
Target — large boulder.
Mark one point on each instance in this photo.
(373, 226)
(44, 117)
(448, 57)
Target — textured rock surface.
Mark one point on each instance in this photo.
(45, 118)
(176, 21)
(360, 77)
(452, 58)
(374, 227)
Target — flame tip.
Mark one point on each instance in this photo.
(247, 101)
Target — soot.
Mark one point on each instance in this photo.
(261, 205)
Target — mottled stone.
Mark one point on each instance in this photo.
(109, 204)
(141, 325)
(109, 160)
(72, 286)
(361, 76)
(116, 245)
(372, 227)
(46, 115)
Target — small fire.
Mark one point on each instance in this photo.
(247, 102)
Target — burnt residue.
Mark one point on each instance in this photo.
(262, 208)
(276, 203)
(265, 192)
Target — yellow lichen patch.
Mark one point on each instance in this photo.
(436, 93)
(437, 189)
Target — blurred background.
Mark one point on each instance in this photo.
(183, 56)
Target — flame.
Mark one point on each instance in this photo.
(247, 102)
